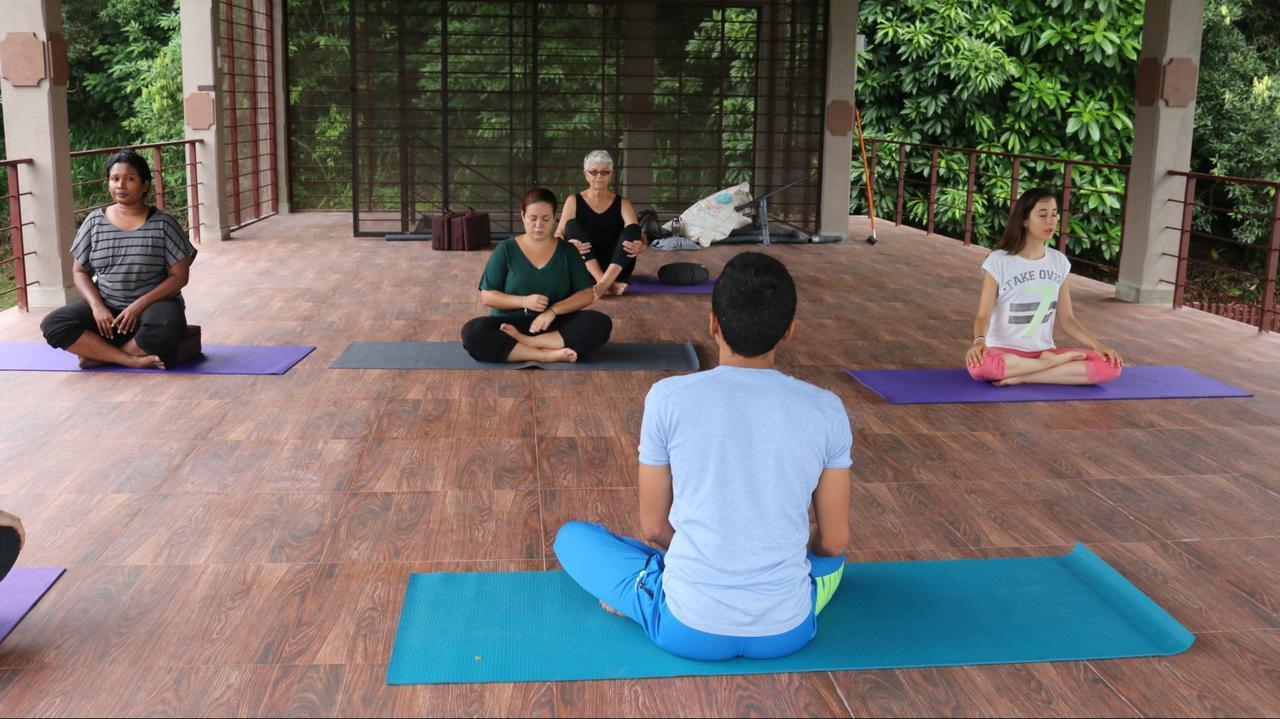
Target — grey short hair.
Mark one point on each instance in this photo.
(596, 156)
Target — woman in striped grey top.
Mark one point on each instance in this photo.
(131, 262)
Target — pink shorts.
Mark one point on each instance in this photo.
(1096, 368)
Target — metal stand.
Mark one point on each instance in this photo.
(761, 205)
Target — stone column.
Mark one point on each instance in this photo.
(204, 113)
(1163, 127)
(838, 136)
(33, 64)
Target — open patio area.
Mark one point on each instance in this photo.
(240, 545)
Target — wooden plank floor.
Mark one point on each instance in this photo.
(240, 545)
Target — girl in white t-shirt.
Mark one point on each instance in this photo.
(1024, 290)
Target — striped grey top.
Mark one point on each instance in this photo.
(130, 264)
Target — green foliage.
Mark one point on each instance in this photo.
(1051, 78)
(1237, 134)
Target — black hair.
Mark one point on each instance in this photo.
(538, 194)
(1015, 233)
(132, 159)
(755, 302)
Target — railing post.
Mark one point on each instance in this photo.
(871, 175)
(1013, 182)
(1269, 287)
(157, 171)
(933, 189)
(1184, 242)
(902, 180)
(1064, 231)
(968, 199)
(193, 192)
(15, 239)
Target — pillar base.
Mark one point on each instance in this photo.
(38, 296)
(1162, 295)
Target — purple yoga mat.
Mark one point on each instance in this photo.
(946, 386)
(216, 359)
(646, 285)
(20, 591)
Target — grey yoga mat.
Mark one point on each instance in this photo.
(451, 355)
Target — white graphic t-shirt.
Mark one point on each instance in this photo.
(1026, 300)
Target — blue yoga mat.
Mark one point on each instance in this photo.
(214, 359)
(946, 386)
(649, 285)
(541, 626)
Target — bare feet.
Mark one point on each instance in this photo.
(618, 288)
(148, 362)
(515, 334)
(544, 341)
(86, 363)
(564, 354)
(612, 289)
(610, 609)
(1049, 360)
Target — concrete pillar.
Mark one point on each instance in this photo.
(281, 46)
(838, 134)
(1163, 127)
(637, 103)
(33, 63)
(204, 113)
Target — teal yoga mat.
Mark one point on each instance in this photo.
(540, 626)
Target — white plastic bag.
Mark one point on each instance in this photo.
(712, 218)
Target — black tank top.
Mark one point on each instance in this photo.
(603, 228)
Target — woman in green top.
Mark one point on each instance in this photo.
(537, 286)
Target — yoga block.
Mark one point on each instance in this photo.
(440, 230)
(469, 231)
(189, 348)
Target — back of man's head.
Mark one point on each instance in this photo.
(755, 302)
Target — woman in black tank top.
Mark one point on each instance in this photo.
(610, 234)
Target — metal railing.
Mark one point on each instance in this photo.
(969, 192)
(1228, 253)
(11, 235)
(178, 176)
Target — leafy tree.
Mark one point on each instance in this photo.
(1040, 77)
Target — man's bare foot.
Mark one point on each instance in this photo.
(148, 362)
(564, 354)
(618, 288)
(86, 363)
(611, 610)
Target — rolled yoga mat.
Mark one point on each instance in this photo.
(215, 359)
(19, 592)
(451, 355)
(646, 285)
(541, 626)
(944, 386)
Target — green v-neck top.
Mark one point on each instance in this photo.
(509, 271)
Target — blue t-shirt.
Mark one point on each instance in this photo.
(746, 449)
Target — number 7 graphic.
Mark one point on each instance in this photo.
(1047, 294)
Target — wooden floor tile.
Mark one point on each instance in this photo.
(1249, 564)
(416, 465)
(600, 462)
(1196, 507)
(366, 693)
(1067, 689)
(311, 690)
(1223, 674)
(764, 695)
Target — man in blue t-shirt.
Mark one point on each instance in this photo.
(731, 461)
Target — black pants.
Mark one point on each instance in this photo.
(161, 327)
(8, 549)
(584, 332)
(573, 230)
